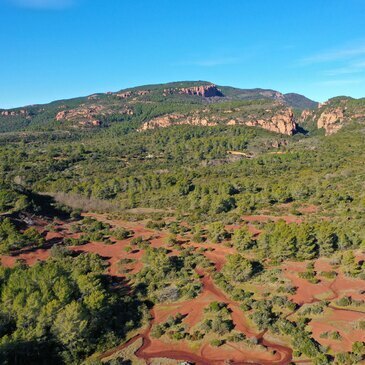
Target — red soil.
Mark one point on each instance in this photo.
(217, 253)
(205, 354)
(339, 320)
(251, 228)
(309, 209)
(30, 258)
(342, 321)
(265, 218)
(325, 289)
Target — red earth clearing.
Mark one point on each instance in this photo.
(267, 352)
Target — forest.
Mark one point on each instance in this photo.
(192, 237)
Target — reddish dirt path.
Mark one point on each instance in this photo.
(341, 320)
(326, 289)
(276, 354)
(30, 258)
(265, 218)
(206, 355)
(31, 255)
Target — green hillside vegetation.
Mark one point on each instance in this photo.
(190, 190)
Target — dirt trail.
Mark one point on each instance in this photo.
(279, 355)
(339, 319)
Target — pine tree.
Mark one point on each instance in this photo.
(327, 239)
(306, 242)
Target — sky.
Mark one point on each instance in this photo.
(56, 49)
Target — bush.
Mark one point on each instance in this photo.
(217, 232)
(121, 233)
(217, 342)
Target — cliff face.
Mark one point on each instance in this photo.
(283, 122)
(206, 91)
(128, 94)
(331, 120)
(88, 115)
(13, 113)
(176, 119)
(338, 112)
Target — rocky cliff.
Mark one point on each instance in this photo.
(177, 119)
(331, 120)
(13, 113)
(206, 91)
(282, 122)
(89, 115)
(338, 112)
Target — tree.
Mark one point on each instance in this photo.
(237, 268)
(10, 238)
(171, 239)
(242, 239)
(282, 240)
(358, 348)
(70, 327)
(327, 239)
(306, 242)
(121, 233)
(350, 265)
(217, 232)
(198, 234)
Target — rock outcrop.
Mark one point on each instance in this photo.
(124, 95)
(88, 115)
(306, 114)
(331, 120)
(128, 94)
(84, 113)
(206, 91)
(14, 113)
(176, 119)
(282, 122)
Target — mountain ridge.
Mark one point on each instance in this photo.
(244, 92)
(196, 103)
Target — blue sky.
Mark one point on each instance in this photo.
(53, 49)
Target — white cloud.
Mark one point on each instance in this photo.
(339, 54)
(351, 68)
(340, 82)
(43, 4)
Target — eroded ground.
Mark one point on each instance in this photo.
(261, 347)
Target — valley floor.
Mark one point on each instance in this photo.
(262, 346)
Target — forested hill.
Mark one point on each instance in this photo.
(197, 102)
(120, 212)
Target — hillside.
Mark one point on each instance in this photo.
(198, 100)
(192, 103)
(183, 222)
